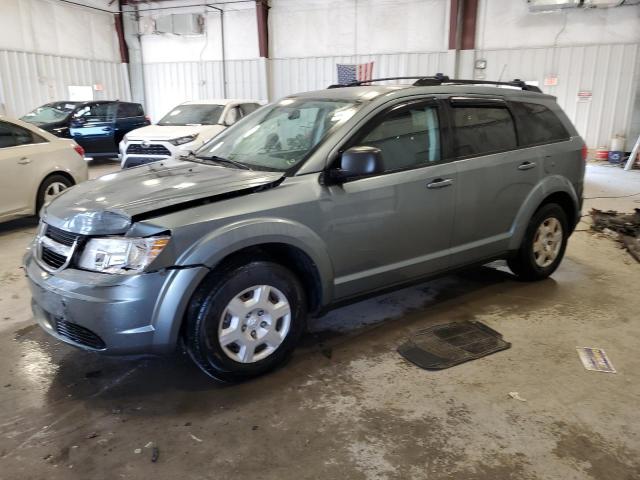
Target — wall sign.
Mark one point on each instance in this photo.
(585, 95)
(79, 93)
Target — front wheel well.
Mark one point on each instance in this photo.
(288, 256)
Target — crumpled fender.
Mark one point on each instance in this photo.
(548, 186)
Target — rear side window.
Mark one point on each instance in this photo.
(480, 130)
(128, 110)
(13, 136)
(538, 125)
(408, 137)
(6, 136)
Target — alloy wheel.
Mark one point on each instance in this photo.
(53, 190)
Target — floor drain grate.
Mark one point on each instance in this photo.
(444, 346)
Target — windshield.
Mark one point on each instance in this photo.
(52, 112)
(193, 115)
(278, 136)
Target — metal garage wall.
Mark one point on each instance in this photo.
(609, 72)
(31, 79)
(168, 84)
(291, 75)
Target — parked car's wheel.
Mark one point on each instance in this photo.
(543, 244)
(51, 187)
(245, 320)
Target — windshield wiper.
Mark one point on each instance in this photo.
(222, 160)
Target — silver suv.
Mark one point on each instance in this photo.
(316, 199)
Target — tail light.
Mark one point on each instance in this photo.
(585, 152)
(147, 118)
(79, 150)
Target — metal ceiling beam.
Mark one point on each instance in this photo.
(137, 3)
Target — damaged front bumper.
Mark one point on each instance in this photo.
(113, 314)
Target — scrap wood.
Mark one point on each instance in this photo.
(626, 225)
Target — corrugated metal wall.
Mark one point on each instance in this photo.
(291, 75)
(31, 79)
(168, 84)
(610, 72)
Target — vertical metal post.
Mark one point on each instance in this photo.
(224, 58)
(262, 16)
(458, 44)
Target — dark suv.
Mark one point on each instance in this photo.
(97, 126)
(313, 200)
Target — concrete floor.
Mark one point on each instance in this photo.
(347, 405)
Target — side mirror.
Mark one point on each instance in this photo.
(357, 162)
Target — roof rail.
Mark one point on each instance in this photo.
(514, 83)
(439, 79)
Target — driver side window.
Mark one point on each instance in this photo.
(97, 112)
(407, 137)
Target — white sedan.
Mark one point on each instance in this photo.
(184, 129)
(36, 166)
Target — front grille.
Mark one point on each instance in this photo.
(153, 149)
(137, 161)
(51, 258)
(79, 334)
(61, 236)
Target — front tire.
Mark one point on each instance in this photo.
(543, 245)
(245, 320)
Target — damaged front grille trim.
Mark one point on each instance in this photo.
(48, 248)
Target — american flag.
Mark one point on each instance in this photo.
(354, 73)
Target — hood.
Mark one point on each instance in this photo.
(109, 204)
(168, 132)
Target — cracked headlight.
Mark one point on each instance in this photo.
(121, 254)
(183, 140)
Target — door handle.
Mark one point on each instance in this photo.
(24, 161)
(106, 129)
(526, 165)
(440, 183)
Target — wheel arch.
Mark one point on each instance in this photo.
(61, 173)
(287, 255)
(284, 240)
(553, 189)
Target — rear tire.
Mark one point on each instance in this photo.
(51, 187)
(543, 245)
(245, 320)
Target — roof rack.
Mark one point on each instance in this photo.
(440, 79)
